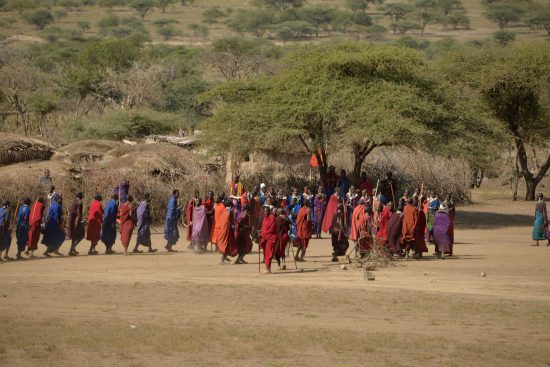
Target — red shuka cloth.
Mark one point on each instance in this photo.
(355, 221)
(35, 221)
(282, 235)
(218, 212)
(127, 223)
(420, 239)
(189, 216)
(95, 219)
(268, 238)
(303, 223)
(332, 206)
(226, 237)
(383, 224)
(410, 219)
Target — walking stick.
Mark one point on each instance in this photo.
(259, 263)
(293, 256)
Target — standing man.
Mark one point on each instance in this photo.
(409, 230)
(95, 218)
(243, 230)
(340, 242)
(75, 227)
(173, 212)
(319, 203)
(46, 181)
(5, 231)
(22, 227)
(35, 224)
(54, 233)
(127, 217)
(144, 225)
(268, 238)
(108, 230)
(303, 230)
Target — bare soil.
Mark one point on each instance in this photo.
(185, 309)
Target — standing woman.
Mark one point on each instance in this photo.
(540, 230)
(54, 234)
(75, 227)
(35, 224)
(95, 219)
(5, 231)
(144, 225)
(22, 227)
(127, 221)
(442, 231)
(108, 230)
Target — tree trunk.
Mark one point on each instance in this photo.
(360, 152)
(321, 156)
(530, 188)
(531, 181)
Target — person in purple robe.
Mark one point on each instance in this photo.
(144, 225)
(442, 231)
(122, 190)
(200, 235)
(319, 205)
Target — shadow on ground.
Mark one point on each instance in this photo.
(491, 220)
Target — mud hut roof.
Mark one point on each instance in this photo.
(16, 148)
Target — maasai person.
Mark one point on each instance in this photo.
(127, 215)
(388, 189)
(201, 232)
(452, 211)
(46, 181)
(293, 210)
(307, 195)
(122, 190)
(54, 233)
(75, 227)
(363, 183)
(108, 229)
(35, 224)
(209, 203)
(303, 230)
(268, 238)
(343, 183)
(366, 230)
(409, 230)
(541, 230)
(330, 211)
(243, 234)
(22, 227)
(356, 216)
(383, 220)
(376, 204)
(319, 203)
(218, 212)
(403, 200)
(255, 211)
(189, 217)
(331, 180)
(420, 240)
(52, 196)
(262, 193)
(339, 236)
(237, 187)
(282, 199)
(95, 219)
(5, 230)
(284, 225)
(144, 225)
(433, 205)
(442, 231)
(173, 212)
(226, 235)
(394, 230)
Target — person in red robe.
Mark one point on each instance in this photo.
(366, 230)
(95, 220)
(283, 224)
(330, 211)
(35, 224)
(268, 238)
(242, 234)
(420, 240)
(409, 231)
(128, 220)
(304, 230)
(339, 235)
(209, 203)
(383, 220)
(226, 235)
(355, 220)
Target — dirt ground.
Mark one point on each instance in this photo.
(185, 309)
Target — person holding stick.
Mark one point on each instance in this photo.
(35, 225)
(268, 238)
(22, 227)
(75, 227)
(303, 230)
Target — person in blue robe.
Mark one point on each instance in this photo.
(54, 234)
(171, 230)
(108, 229)
(22, 227)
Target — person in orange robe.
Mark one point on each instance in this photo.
(127, 217)
(226, 235)
(355, 219)
(365, 230)
(268, 238)
(330, 211)
(304, 230)
(35, 224)
(218, 211)
(95, 220)
(409, 231)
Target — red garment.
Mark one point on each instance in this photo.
(420, 240)
(226, 237)
(268, 238)
(303, 225)
(127, 223)
(242, 233)
(364, 231)
(355, 221)
(244, 199)
(283, 238)
(332, 206)
(218, 212)
(35, 221)
(410, 220)
(189, 216)
(95, 219)
(383, 224)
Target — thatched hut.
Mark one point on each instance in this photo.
(16, 148)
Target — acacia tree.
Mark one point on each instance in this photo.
(359, 94)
